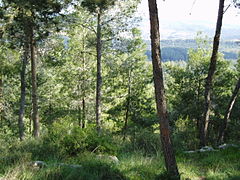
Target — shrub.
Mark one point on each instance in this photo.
(71, 140)
(145, 140)
(185, 134)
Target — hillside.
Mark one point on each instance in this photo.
(178, 49)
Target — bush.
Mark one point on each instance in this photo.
(145, 140)
(71, 140)
(185, 134)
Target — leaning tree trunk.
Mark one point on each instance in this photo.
(168, 152)
(208, 86)
(99, 73)
(23, 90)
(228, 112)
(35, 116)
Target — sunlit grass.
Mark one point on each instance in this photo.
(136, 165)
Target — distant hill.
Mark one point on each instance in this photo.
(175, 50)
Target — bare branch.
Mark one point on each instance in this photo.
(89, 28)
(227, 8)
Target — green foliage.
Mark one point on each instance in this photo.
(185, 92)
(185, 134)
(66, 81)
(130, 96)
(93, 5)
(71, 140)
(144, 140)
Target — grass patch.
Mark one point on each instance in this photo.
(132, 165)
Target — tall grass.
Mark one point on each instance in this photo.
(136, 163)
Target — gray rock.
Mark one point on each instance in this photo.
(224, 146)
(203, 149)
(206, 148)
(38, 164)
(113, 159)
(188, 152)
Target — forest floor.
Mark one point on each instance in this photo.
(217, 165)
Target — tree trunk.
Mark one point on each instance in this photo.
(168, 152)
(208, 86)
(23, 90)
(127, 106)
(83, 113)
(99, 73)
(228, 112)
(35, 116)
(84, 86)
(79, 116)
(1, 99)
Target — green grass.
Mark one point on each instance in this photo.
(222, 165)
(133, 164)
(219, 165)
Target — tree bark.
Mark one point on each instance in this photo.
(83, 113)
(23, 90)
(208, 86)
(79, 116)
(1, 99)
(84, 86)
(170, 161)
(127, 105)
(233, 98)
(35, 116)
(99, 73)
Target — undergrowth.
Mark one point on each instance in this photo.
(135, 163)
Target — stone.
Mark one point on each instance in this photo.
(206, 149)
(38, 164)
(224, 146)
(188, 152)
(113, 159)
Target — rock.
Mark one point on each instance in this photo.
(224, 146)
(206, 148)
(203, 149)
(38, 164)
(188, 152)
(113, 159)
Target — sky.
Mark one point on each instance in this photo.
(195, 12)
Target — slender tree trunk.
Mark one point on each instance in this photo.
(198, 103)
(208, 86)
(79, 116)
(228, 112)
(83, 113)
(167, 147)
(35, 116)
(99, 73)
(84, 86)
(23, 90)
(127, 106)
(1, 99)
(79, 104)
